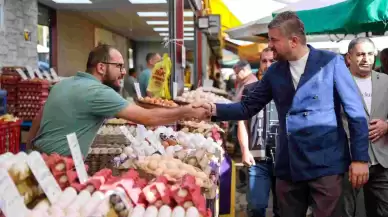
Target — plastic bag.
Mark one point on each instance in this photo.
(159, 81)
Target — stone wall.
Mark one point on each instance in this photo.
(19, 15)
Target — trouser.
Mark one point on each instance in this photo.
(325, 192)
(376, 192)
(261, 181)
(353, 204)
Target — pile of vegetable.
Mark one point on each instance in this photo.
(199, 95)
(63, 170)
(159, 102)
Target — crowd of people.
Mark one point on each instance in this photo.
(332, 120)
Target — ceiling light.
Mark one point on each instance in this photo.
(72, 1)
(152, 14)
(163, 34)
(188, 14)
(161, 29)
(148, 1)
(189, 34)
(161, 22)
(188, 22)
(188, 29)
(189, 39)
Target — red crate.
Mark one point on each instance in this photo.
(10, 136)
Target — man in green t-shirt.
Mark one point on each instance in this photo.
(81, 103)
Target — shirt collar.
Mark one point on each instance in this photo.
(87, 75)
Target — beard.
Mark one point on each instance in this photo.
(111, 82)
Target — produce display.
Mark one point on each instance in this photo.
(199, 95)
(9, 81)
(117, 121)
(63, 170)
(166, 141)
(159, 102)
(32, 94)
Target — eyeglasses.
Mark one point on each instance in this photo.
(118, 65)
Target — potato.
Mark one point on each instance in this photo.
(153, 165)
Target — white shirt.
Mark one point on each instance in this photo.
(297, 68)
(365, 86)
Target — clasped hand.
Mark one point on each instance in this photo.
(200, 111)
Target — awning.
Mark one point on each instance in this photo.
(250, 30)
(228, 19)
(348, 17)
(251, 52)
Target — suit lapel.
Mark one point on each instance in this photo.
(362, 98)
(288, 76)
(311, 67)
(375, 93)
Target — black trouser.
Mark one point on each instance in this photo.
(294, 197)
(376, 192)
(353, 200)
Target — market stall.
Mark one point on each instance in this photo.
(131, 170)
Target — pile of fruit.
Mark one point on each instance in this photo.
(159, 102)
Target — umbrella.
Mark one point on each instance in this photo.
(348, 17)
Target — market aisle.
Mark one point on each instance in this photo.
(241, 202)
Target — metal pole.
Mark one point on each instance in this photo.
(171, 35)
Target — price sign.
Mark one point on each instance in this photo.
(47, 75)
(127, 134)
(11, 203)
(44, 176)
(183, 56)
(30, 72)
(137, 89)
(77, 157)
(22, 74)
(54, 74)
(208, 84)
(37, 71)
(174, 90)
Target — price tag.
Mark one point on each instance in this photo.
(44, 177)
(183, 56)
(47, 75)
(137, 89)
(11, 203)
(127, 134)
(54, 74)
(208, 84)
(37, 71)
(77, 157)
(30, 72)
(174, 90)
(22, 74)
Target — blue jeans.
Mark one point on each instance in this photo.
(261, 180)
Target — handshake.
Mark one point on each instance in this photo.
(199, 111)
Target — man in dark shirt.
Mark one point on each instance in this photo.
(253, 148)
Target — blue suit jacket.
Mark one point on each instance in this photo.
(313, 142)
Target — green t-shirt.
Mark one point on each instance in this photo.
(78, 104)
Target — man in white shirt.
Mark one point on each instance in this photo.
(373, 88)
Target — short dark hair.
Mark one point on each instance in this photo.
(359, 40)
(267, 49)
(131, 71)
(384, 53)
(149, 56)
(99, 54)
(290, 24)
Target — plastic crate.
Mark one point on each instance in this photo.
(10, 136)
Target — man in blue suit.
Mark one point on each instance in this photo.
(308, 87)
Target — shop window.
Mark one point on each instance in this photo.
(44, 33)
(1, 15)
